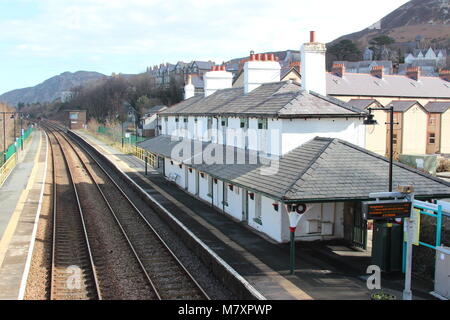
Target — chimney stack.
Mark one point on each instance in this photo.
(217, 79)
(377, 71)
(261, 68)
(338, 69)
(413, 73)
(312, 37)
(445, 75)
(189, 89)
(313, 69)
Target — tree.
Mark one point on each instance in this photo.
(382, 40)
(378, 44)
(345, 50)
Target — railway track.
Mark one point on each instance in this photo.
(166, 275)
(72, 270)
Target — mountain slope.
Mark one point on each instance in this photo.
(50, 89)
(427, 18)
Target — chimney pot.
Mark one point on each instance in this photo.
(312, 36)
(338, 69)
(445, 75)
(413, 73)
(377, 71)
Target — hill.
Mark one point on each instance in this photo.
(51, 89)
(428, 19)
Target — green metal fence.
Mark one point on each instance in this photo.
(11, 150)
(117, 136)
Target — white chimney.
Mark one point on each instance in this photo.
(217, 79)
(189, 89)
(313, 66)
(261, 68)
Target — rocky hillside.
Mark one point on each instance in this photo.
(51, 89)
(429, 19)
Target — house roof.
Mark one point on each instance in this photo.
(155, 109)
(437, 107)
(402, 105)
(362, 104)
(323, 169)
(282, 99)
(356, 84)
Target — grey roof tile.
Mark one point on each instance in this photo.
(354, 84)
(278, 99)
(326, 169)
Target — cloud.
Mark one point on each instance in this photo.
(146, 32)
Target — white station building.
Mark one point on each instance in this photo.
(259, 151)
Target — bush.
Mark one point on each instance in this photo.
(443, 165)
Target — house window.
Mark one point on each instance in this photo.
(177, 119)
(262, 123)
(185, 120)
(224, 122)
(166, 119)
(244, 123)
(432, 138)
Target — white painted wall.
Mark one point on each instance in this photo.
(313, 69)
(257, 73)
(296, 132)
(234, 207)
(323, 217)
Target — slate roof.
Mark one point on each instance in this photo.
(362, 104)
(402, 105)
(437, 107)
(155, 109)
(323, 169)
(282, 99)
(357, 84)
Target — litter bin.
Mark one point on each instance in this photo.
(387, 246)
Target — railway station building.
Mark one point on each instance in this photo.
(259, 151)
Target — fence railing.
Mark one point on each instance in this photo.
(129, 145)
(9, 159)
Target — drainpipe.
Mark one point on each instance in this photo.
(223, 196)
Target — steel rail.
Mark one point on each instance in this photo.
(150, 227)
(53, 286)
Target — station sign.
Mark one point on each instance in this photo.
(386, 209)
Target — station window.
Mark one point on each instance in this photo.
(244, 123)
(224, 122)
(177, 119)
(432, 138)
(394, 137)
(166, 119)
(185, 119)
(262, 123)
(74, 116)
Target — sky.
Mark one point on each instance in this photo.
(43, 38)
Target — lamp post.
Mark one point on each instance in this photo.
(371, 121)
(4, 137)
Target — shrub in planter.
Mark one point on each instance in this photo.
(381, 295)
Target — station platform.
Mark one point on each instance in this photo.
(324, 270)
(20, 201)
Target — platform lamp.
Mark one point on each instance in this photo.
(369, 120)
(13, 116)
(21, 131)
(4, 137)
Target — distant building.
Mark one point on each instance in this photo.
(429, 60)
(76, 119)
(366, 66)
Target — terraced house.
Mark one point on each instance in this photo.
(258, 151)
